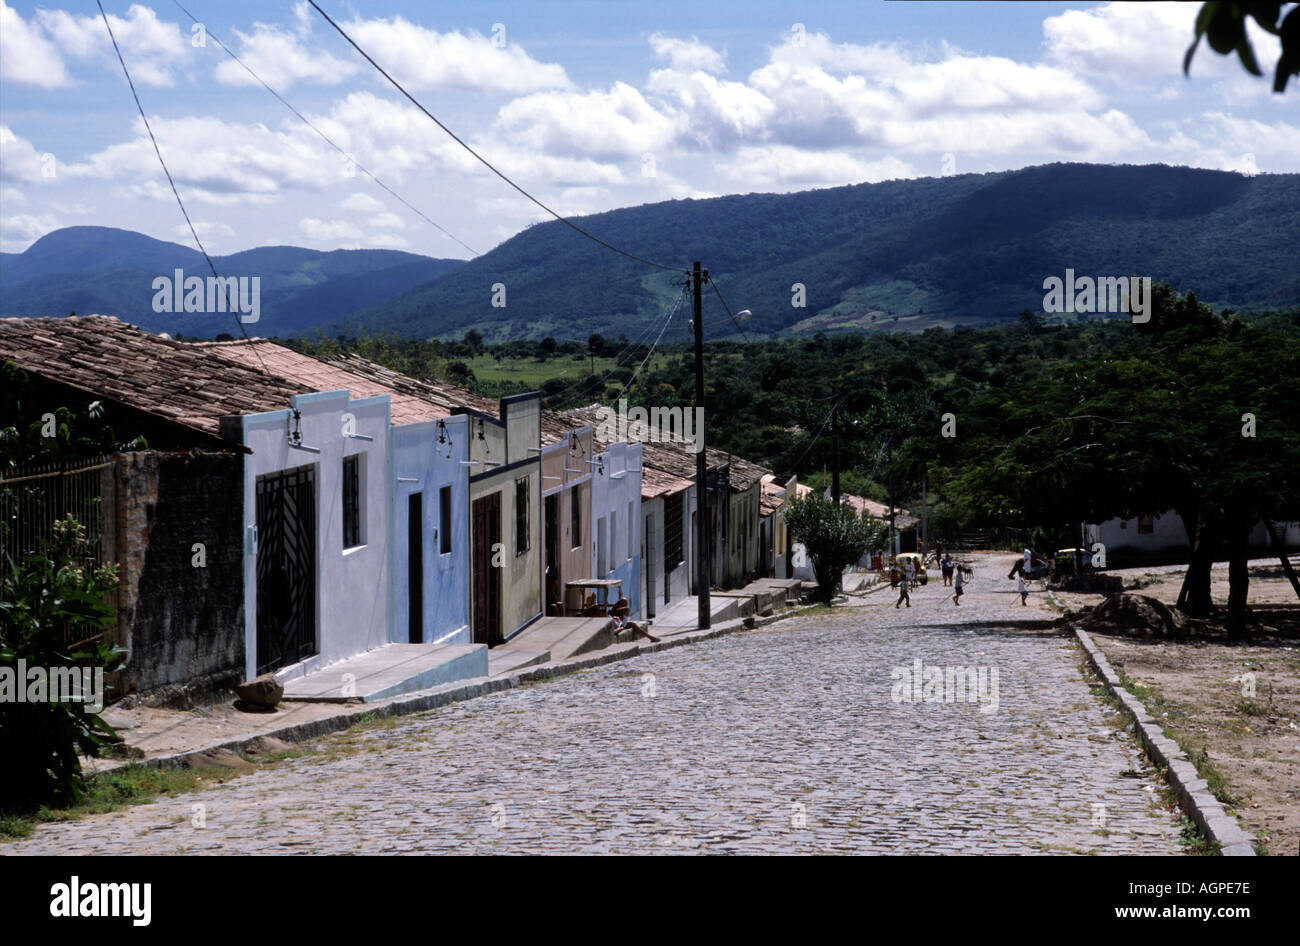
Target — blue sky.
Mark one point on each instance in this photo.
(591, 105)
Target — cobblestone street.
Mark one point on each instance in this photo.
(786, 739)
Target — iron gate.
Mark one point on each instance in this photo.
(286, 568)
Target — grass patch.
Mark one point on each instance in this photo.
(1213, 777)
(107, 791)
(1248, 707)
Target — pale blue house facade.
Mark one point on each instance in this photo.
(430, 573)
(616, 510)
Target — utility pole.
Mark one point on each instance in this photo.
(835, 435)
(925, 508)
(701, 459)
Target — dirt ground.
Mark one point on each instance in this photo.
(1203, 693)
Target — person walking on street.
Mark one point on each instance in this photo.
(909, 572)
(1023, 589)
(958, 581)
(905, 585)
(946, 567)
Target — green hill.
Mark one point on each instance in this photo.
(108, 271)
(969, 249)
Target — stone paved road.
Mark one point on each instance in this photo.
(784, 739)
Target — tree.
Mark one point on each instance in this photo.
(1198, 416)
(834, 537)
(1223, 24)
(53, 617)
(474, 341)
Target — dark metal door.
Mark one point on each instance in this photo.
(486, 525)
(415, 567)
(286, 568)
(552, 524)
(647, 563)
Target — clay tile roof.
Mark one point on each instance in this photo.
(557, 425)
(172, 380)
(324, 376)
(773, 495)
(677, 458)
(902, 519)
(447, 396)
(656, 483)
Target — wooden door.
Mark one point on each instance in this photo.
(486, 526)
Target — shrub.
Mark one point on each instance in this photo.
(52, 616)
(835, 537)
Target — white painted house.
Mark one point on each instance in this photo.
(316, 532)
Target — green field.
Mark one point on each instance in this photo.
(533, 373)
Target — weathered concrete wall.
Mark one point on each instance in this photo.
(179, 550)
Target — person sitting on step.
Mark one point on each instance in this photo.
(619, 612)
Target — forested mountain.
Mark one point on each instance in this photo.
(970, 250)
(963, 250)
(107, 271)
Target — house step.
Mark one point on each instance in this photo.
(502, 660)
(389, 671)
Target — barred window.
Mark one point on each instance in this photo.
(673, 531)
(444, 512)
(352, 501)
(521, 515)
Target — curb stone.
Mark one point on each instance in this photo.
(436, 697)
(1191, 790)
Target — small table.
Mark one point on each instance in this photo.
(601, 587)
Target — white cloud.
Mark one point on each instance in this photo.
(341, 233)
(1229, 143)
(687, 55)
(716, 111)
(1147, 41)
(316, 229)
(782, 165)
(282, 57)
(214, 160)
(20, 161)
(361, 203)
(152, 48)
(211, 232)
(422, 58)
(618, 123)
(26, 55)
(17, 231)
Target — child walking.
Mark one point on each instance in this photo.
(1023, 589)
(957, 581)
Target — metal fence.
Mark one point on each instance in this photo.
(34, 497)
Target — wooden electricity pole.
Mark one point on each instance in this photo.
(702, 569)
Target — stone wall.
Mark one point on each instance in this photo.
(176, 538)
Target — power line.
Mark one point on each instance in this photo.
(671, 313)
(563, 395)
(813, 442)
(397, 85)
(718, 293)
(175, 192)
(326, 138)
